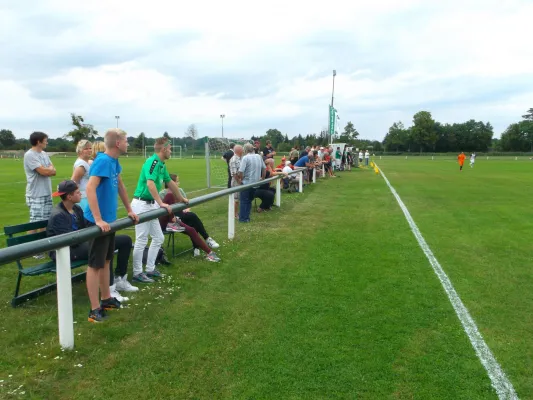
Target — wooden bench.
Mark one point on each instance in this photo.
(45, 266)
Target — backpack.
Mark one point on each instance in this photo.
(158, 259)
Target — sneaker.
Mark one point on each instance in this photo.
(196, 252)
(96, 316)
(173, 227)
(153, 274)
(113, 291)
(39, 256)
(211, 243)
(110, 304)
(122, 284)
(142, 278)
(212, 257)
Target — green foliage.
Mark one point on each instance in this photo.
(140, 141)
(428, 135)
(81, 130)
(349, 134)
(7, 139)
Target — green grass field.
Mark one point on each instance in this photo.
(329, 296)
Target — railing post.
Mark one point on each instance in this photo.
(278, 193)
(64, 298)
(231, 216)
(314, 175)
(300, 182)
(323, 171)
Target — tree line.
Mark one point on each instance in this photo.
(428, 135)
(425, 135)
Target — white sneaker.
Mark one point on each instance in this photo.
(211, 243)
(116, 294)
(196, 253)
(122, 284)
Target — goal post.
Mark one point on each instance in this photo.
(216, 167)
(176, 151)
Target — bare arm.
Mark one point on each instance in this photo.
(46, 171)
(174, 188)
(153, 191)
(78, 174)
(93, 183)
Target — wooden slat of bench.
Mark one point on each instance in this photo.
(13, 241)
(30, 226)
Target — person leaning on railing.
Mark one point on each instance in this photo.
(103, 189)
(146, 198)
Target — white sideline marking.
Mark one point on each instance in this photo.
(504, 388)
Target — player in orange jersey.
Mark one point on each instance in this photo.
(461, 159)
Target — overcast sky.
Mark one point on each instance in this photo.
(162, 65)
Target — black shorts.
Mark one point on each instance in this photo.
(101, 249)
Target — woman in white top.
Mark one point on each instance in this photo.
(81, 169)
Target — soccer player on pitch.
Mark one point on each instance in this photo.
(461, 159)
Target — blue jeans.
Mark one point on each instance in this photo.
(245, 204)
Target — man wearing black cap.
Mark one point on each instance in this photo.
(67, 217)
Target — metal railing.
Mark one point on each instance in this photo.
(62, 243)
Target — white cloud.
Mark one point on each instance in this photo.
(163, 65)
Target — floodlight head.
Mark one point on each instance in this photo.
(334, 72)
(222, 115)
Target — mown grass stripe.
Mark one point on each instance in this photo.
(503, 386)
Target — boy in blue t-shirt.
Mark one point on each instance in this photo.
(104, 186)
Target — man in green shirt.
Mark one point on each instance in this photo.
(146, 198)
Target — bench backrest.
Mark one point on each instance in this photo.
(13, 230)
(22, 228)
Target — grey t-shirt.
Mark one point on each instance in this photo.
(85, 178)
(38, 185)
(251, 165)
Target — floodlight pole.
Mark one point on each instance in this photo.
(222, 116)
(117, 117)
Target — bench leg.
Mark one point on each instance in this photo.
(17, 288)
(18, 300)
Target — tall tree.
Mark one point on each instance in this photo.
(192, 133)
(529, 115)
(81, 129)
(349, 134)
(140, 141)
(7, 138)
(167, 136)
(423, 131)
(275, 136)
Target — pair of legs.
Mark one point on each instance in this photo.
(100, 252)
(142, 231)
(245, 206)
(196, 240)
(122, 244)
(267, 199)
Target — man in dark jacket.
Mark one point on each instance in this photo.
(67, 217)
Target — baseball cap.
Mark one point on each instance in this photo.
(283, 158)
(287, 163)
(321, 148)
(65, 187)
